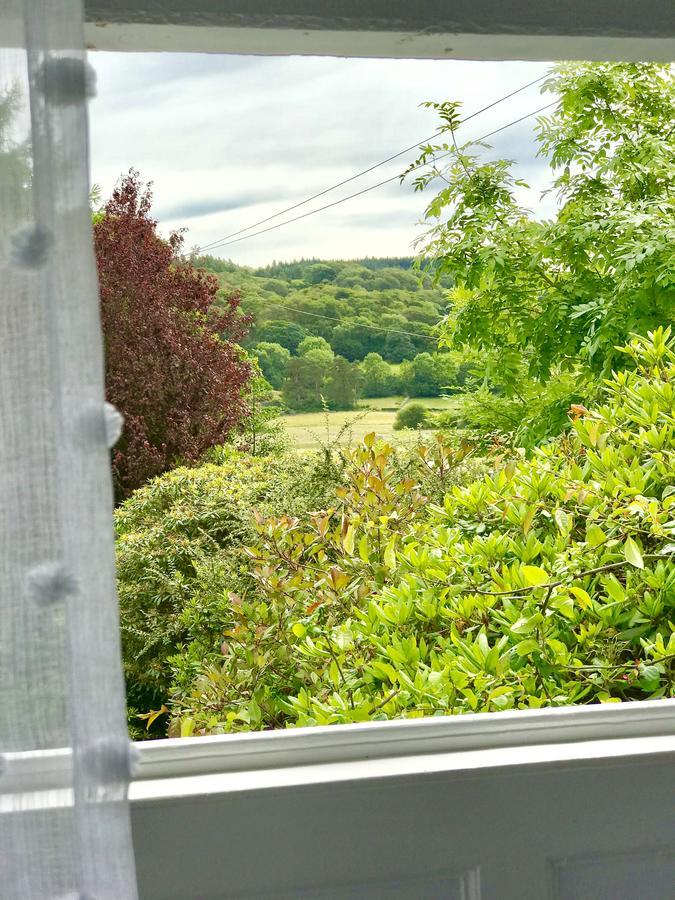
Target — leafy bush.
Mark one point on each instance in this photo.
(549, 582)
(412, 415)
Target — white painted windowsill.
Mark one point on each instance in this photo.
(453, 746)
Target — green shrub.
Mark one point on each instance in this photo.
(412, 415)
(549, 582)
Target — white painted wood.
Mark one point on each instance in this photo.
(557, 821)
(136, 37)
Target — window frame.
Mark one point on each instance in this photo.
(482, 29)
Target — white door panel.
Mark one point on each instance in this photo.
(577, 829)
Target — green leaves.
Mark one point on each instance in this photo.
(562, 294)
(632, 553)
(534, 575)
(383, 605)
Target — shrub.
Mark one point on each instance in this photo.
(548, 582)
(323, 562)
(412, 415)
(179, 554)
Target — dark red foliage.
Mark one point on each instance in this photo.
(173, 368)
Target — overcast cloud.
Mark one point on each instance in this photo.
(230, 140)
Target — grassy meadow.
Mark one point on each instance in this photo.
(310, 430)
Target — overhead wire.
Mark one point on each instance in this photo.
(303, 312)
(226, 243)
(377, 165)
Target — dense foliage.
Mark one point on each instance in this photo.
(173, 368)
(361, 311)
(549, 582)
(553, 299)
(179, 546)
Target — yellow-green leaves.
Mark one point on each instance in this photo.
(582, 597)
(534, 575)
(595, 536)
(632, 553)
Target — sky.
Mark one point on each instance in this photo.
(229, 140)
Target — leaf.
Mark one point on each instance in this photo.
(524, 648)
(614, 588)
(152, 715)
(595, 535)
(632, 553)
(390, 554)
(564, 604)
(187, 727)
(584, 598)
(534, 575)
(562, 520)
(529, 518)
(650, 677)
(348, 540)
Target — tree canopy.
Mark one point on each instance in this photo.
(173, 368)
(564, 292)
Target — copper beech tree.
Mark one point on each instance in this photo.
(173, 367)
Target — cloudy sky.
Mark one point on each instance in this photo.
(230, 140)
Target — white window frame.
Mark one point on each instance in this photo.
(191, 767)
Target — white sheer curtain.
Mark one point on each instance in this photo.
(61, 687)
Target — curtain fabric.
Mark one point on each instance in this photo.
(61, 686)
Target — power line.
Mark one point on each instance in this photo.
(369, 169)
(302, 312)
(245, 237)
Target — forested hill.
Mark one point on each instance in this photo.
(358, 306)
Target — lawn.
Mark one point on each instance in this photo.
(311, 430)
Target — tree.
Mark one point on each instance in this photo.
(15, 167)
(273, 361)
(412, 415)
(288, 334)
(355, 338)
(549, 581)
(565, 293)
(398, 347)
(319, 273)
(304, 382)
(342, 385)
(314, 342)
(173, 368)
(378, 378)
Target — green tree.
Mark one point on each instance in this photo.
(319, 273)
(398, 347)
(419, 376)
(15, 169)
(378, 377)
(314, 342)
(273, 361)
(563, 294)
(342, 384)
(355, 338)
(288, 334)
(305, 379)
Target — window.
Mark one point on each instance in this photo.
(324, 812)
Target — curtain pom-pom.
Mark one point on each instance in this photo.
(50, 583)
(29, 246)
(68, 80)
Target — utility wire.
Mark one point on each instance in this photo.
(370, 168)
(245, 237)
(302, 312)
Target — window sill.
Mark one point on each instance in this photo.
(460, 744)
(455, 746)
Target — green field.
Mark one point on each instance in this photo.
(311, 430)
